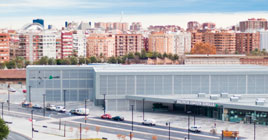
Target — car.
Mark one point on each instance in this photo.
(106, 116)
(150, 122)
(25, 104)
(118, 118)
(51, 107)
(12, 90)
(195, 129)
(80, 111)
(60, 109)
(37, 106)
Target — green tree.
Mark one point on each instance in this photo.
(43, 60)
(143, 54)
(51, 61)
(82, 60)
(119, 60)
(93, 59)
(2, 65)
(112, 60)
(73, 60)
(149, 55)
(175, 57)
(88, 60)
(27, 63)
(131, 55)
(58, 61)
(165, 55)
(19, 62)
(170, 56)
(4, 130)
(11, 64)
(138, 54)
(65, 62)
(154, 55)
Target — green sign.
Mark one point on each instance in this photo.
(216, 105)
(50, 77)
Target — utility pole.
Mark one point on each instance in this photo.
(80, 131)
(254, 130)
(188, 112)
(8, 87)
(143, 108)
(85, 110)
(2, 110)
(64, 128)
(168, 124)
(132, 107)
(104, 103)
(64, 98)
(44, 105)
(32, 122)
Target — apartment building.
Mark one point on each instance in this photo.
(13, 43)
(193, 26)
(126, 43)
(4, 47)
(161, 42)
(247, 42)
(253, 24)
(79, 43)
(101, 45)
(66, 44)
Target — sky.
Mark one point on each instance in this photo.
(225, 13)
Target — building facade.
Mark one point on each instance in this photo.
(252, 25)
(264, 40)
(126, 43)
(4, 47)
(247, 42)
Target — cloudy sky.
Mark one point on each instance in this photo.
(16, 13)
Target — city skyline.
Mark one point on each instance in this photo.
(17, 13)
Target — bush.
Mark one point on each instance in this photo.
(4, 130)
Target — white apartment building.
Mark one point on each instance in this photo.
(79, 43)
(264, 40)
(182, 43)
(49, 43)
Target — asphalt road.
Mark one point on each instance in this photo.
(16, 136)
(138, 131)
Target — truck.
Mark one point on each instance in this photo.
(227, 133)
(81, 111)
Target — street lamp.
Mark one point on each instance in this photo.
(64, 98)
(32, 122)
(2, 110)
(143, 108)
(104, 103)
(30, 98)
(85, 110)
(44, 105)
(194, 114)
(132, 107)
(189, 112)
(168, 124)
(8, 87)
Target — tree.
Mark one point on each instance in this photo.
(165, 55)
(4, 130)
(131, 55)
(73, 60)
(203, 48)
(27, 63)
(65, 62)
(93, 59)
(58, 61)
(119, 59)
(138, 54)
(51, 61)
(175, 57)
(11, 64)
(88, 60)
(112, 60)
(2, 65)
(82, 60)
(43, 60)
(143, 54)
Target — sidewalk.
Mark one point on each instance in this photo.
(24, 126)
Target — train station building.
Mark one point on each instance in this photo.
(235, 93)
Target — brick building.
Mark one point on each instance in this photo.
(247, 42)
(253, 24)
(4, 47)
(100, 45)
(126, 43)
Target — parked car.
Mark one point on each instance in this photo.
(37, 106)
(12, 90)
(25, 104)
(195, 129)
(106, 116)
(60, 109)
(118, 118)
(80, 111)
(51, 107)
(150, 122)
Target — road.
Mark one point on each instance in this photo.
(16, 136)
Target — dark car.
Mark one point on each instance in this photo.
(118, 118)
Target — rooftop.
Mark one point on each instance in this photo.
(13, 74)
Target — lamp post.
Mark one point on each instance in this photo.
(44, 105)
(30, 98)
(104, 103)
(32, 122)
(194, 114)
(143, 108)
(168, 124)
(132, 107)
(2, 110)
(8, 87)
(254, 130)
(64, 98)
(188, 112)
(85, 110)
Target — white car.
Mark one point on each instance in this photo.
(195, 129)
(12, 90)
(51, 107)
(150, 122)
(60, 109)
